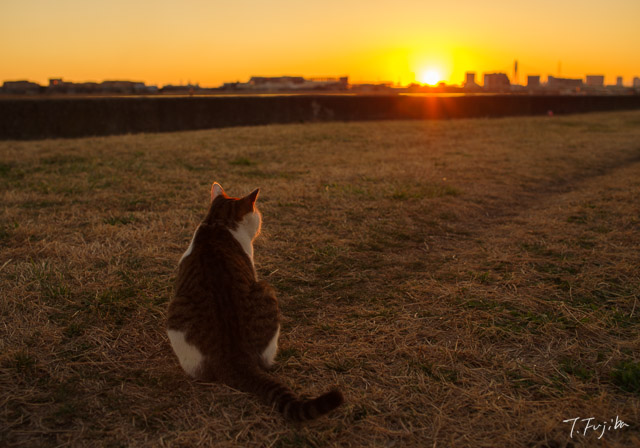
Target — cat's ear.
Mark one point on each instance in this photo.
(253, 196)
(216, 190)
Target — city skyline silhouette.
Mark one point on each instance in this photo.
(169, 42)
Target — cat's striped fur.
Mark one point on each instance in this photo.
(223, 323)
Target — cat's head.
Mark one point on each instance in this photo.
(239, 214)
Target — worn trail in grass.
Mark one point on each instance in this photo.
(466, 283)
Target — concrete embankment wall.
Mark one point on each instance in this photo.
(40, 118)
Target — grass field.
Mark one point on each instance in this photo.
(465, 283)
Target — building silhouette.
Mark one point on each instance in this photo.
(595, 81)
(564, 83)
(283, 83)
(533, 81)
(21, 87)
(496, 81)
(470, 81)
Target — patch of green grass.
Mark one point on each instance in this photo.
(568, 123)
(330, 259)
(575, 368)
(349, 189)
(67, 406)
(423, 367)
(329, 251)
(401, 195)
(601, 229)
(298, 440)
(415, 266)
(610, 289)
(359, 413)
(626, 375)
(423, 191)
(518, 321)
(341, 365)
(540, 249)
(484, 278)
(137, 204)
(448, 375)
(11, 174)
(65, 164)
(52, 284)
(518, 380)
(57, 290)
(369, 189)
(585, 242)
(598, 127)
(116, 295)
(577, 219)
(74, 330)
(115, 303)
(448, 216)
(22, 362)
(242, 161)
(326, 327)
(37, 205)
(262, 174)
(5, 169)
(441, 374)
(293, 204)
(134, 263)
(623, 319)
(5, 233)
(64, 414)
(62, 159)
(122, 220)
(101, 181)
(482, 304)
(554, 269)
(288, 352)
(195, 168)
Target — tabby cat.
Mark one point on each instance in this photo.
(223, 323)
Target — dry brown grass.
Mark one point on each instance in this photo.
(466, 283)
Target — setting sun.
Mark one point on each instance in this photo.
(430, 77)
(212, 43)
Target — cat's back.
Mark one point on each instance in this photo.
(214, 258)
(213, 277)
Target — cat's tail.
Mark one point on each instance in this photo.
(275, 393)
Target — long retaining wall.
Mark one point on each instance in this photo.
(76, 117)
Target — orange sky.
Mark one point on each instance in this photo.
(216, 41)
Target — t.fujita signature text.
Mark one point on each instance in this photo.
(585, 426)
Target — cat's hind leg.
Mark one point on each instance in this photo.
(269, 353)
(265, 317)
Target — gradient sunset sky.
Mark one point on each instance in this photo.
(211, 42)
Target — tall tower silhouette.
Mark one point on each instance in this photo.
(515, 72)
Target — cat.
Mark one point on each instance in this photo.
(223, 324)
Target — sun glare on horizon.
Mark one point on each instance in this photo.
(430, 77)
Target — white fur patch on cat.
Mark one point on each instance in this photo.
(190, 248)
(269, 354)
(246, 232)
(188, 355)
